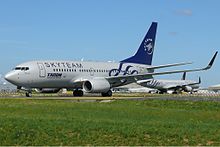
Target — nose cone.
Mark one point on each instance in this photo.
(11, 77)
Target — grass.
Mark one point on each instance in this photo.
(122, 122)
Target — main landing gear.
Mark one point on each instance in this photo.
(107, 94)
(28, 94)
(78, 93)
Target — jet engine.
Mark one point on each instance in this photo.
(48, 90)
(96, 86)
(187, 89)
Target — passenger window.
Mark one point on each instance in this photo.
(17, 68)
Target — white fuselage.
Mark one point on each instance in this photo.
(66, 74)
(165, 85)
(214, 87)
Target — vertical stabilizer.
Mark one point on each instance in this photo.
(145, 52)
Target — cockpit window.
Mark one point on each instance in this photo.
(22, 68)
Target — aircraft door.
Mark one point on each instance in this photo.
(42, 70)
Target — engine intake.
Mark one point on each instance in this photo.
(96, 86)
(188, 89)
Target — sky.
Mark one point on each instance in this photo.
(111, 30)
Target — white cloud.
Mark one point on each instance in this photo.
(184, 12)
(173, 33)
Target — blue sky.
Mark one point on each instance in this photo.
(104, 30)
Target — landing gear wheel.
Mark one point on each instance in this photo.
(28, 94)
(77, 93)
(107, 94)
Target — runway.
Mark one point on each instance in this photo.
(181, 97)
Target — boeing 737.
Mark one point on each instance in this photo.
(93, 77)
(175, 86)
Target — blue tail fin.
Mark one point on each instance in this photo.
(145, 52)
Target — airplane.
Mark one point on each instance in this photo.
(173, 86)
(214, 88)
(92, 77)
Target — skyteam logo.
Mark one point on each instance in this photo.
(148, 46)
(153, 83)
(126, 71)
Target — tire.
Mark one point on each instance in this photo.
(78, 93)
(107, 94)
(28, 94)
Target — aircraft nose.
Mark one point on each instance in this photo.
(10, 77)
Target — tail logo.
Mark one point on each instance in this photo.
(148, 46)
(127, 71)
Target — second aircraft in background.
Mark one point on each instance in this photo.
(173, 86)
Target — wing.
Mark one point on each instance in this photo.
(125, 79)
(168, 65)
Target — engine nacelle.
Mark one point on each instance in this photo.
(188, 89)
(48, 90)
(96, 86)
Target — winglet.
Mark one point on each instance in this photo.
(211, 62)
(199, 80)
(184, 76)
